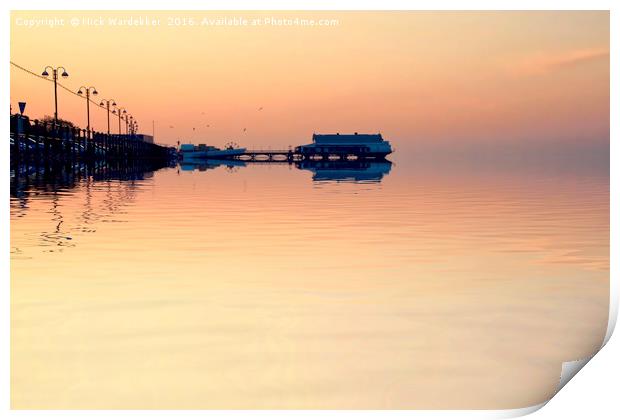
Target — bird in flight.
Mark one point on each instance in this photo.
(260, 109)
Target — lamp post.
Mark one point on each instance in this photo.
(55, 71)
(127, 119)
(88, 91)
(119, 111)
(107, 103)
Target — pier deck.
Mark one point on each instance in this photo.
(285, 155)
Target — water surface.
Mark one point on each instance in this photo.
(267, 286)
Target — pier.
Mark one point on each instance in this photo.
(326, 147)
(289, 155)
(267, 155)
(37, 143)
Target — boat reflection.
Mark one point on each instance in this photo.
(322, 170)
(193, 164)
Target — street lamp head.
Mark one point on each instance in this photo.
(113, 103)
(79, 92)
(95, 91)
(101, 103)
(65, 74)
(45, 73)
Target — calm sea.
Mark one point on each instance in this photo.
(271, 286)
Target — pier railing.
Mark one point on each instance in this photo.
(36, 141)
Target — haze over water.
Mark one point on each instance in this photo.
(257, 287)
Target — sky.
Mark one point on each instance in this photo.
(436, 80)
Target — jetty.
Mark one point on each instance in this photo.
(46, 143)
(337, 146)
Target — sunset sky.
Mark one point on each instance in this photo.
(423, 79)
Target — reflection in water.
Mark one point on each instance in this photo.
(257, 288)
(50, 185)
(352, 171)
(189, 164)
(322, 170)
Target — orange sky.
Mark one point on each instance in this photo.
(421, 78)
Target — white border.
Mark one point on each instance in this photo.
(315, 5)
(612, 407)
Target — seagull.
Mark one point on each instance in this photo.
(260, 109)
(244, 130)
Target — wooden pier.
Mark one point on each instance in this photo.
(49, 144)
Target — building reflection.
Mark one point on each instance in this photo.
(361, 171)
(75, 200)
(347, 171)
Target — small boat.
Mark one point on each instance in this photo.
(202, 151)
